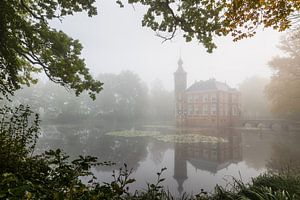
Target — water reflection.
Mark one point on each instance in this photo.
(191, 165)
(119, 150)
(285, 154)
(257, 148)
(207, 156)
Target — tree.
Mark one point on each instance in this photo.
(204, 19)
(254, 101)
(284, 88)
(124, 97)
(131, 95)
(29, 45)
(161, 107)
(51, 175)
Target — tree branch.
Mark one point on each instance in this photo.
(30, 11)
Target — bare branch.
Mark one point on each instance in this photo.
(167, 38)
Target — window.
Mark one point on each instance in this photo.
(179, 111)
(221, 97)
(214, 155)
(190, 99)
(225, 98)
(213, 98)
(221, 110)
(234, 110)
(197, 112)
(205, 109)
(213, 109)
(190, 110)
(205, 153)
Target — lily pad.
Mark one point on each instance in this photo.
(190, 138)
(182, 138)
(133, 133)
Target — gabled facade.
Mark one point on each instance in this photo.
(205, 103)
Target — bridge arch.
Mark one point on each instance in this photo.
(273, 124)
(247, 125)
(261, 125)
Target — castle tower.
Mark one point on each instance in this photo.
(180, 83)
(180, 165)
(180, 78)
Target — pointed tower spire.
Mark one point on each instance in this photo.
(180, 77)
(180, 83)
(180, 62)
(180, 166)
(180, 69)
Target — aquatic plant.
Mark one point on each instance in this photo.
(133, 133)
(172, 138)
(190, 138)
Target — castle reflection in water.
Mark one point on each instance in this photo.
(207, 156)
(237, 153)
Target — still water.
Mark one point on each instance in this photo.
(195, 158)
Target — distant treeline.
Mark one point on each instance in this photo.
(124, 99)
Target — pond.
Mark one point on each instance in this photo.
(195, 158)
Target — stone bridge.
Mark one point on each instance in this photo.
(273, 124)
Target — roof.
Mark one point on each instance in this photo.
(180, 69)
(210, 166)
(210, 84)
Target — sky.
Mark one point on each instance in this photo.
(115, 40)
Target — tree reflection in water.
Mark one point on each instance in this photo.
(120, 150)
(250, 152)
(285, 156)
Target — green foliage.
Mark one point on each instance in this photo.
(38, 176)
(286, 183)
(264, 187)
(154, 191)
(204, 19)
(29, 45)
(197, 19)
(18, 135)
(50, 175)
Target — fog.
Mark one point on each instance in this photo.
(114, 40)
(209, 118)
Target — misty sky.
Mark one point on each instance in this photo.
(115, 40)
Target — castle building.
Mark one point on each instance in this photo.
(205, 103)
